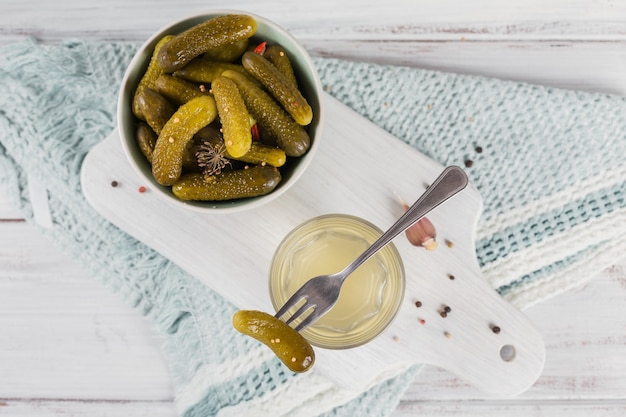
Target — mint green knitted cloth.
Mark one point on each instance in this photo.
(549, 165)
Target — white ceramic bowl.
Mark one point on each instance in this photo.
(310, 87)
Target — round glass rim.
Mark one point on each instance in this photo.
(382, 323)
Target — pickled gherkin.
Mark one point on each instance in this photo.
(152, 73)
(176, 89)
(294, 351)
(228, 185)
(290, 137)
(155, 108)
(213, 33)
(260, 154)
(228, 53)
(282, 89)
(146, 140)
(206, 70)
(167, 159)
(277, 55)
(233, 116)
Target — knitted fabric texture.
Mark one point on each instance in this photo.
(548, 163)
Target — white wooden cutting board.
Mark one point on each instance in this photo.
(357, 170)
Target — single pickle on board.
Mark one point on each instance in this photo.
(167, 158)
(287, 344)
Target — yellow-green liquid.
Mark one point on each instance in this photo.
(370, 295)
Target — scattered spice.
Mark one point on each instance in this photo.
(422, 321)
(422, 233)
(449, 243)
(142, 189)
(443, 314)
(396, 339)
(469, 163)
(495, 329)
(451, 277)
(448, 335)
(447, 309)
(478, 149)
(114, 184)
(418, 304)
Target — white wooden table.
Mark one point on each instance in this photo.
(70, 347)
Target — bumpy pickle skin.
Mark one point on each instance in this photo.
(206, 70)
(155, 108)
(288, 345)
(229, 185)
(277, 55)
(176, 89)
(262, 154)
(283, 90)
(213, 33)
(233, 116)
(146, 140)
(290, 136)
(167, 158)
(228, 53)
(152, 73)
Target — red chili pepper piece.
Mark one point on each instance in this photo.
(260, 49)
(256, 135)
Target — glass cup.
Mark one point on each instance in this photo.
(370, 297)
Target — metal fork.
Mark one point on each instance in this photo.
(321, 293)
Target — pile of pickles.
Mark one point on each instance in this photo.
(218, 115)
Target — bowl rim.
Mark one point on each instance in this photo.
(222, 207)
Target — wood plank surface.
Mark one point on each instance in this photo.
(68, 346)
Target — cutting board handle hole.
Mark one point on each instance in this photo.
(507, 353)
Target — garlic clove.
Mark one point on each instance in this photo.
(422, 233)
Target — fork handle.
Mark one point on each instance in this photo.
(450, 182)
